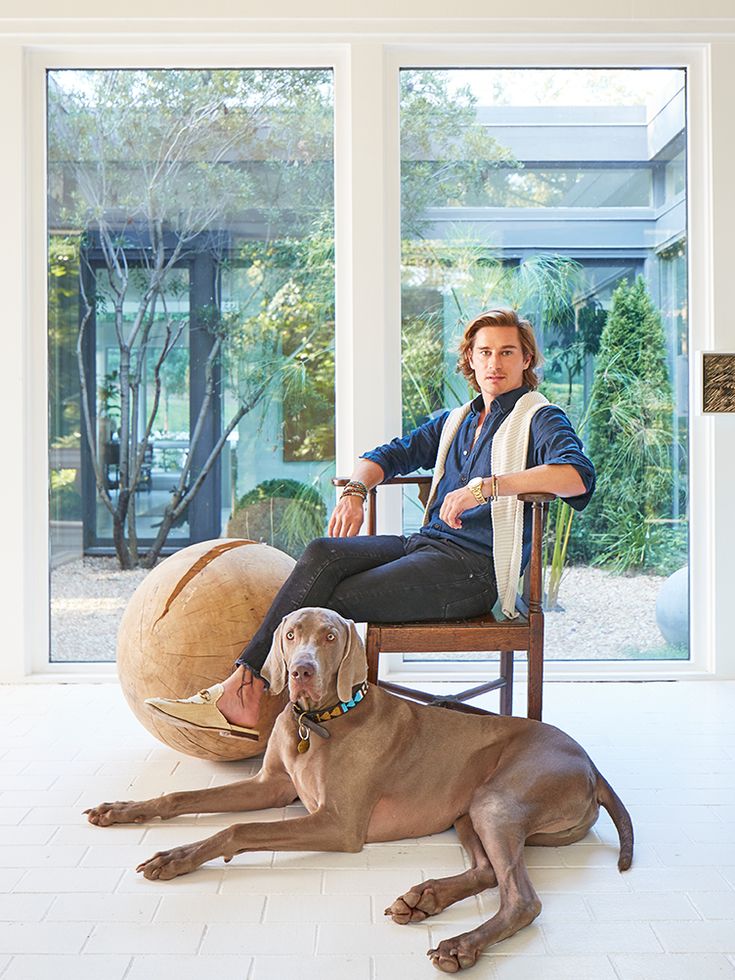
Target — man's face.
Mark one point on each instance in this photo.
(497, 360)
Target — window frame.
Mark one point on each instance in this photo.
(39, 62)
(367, 232)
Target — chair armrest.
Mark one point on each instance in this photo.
(424, 484)
(420, 481)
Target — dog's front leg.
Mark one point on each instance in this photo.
(268, 788)
(319, 831)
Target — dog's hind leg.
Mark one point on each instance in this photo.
(434, 895)
(500, 826)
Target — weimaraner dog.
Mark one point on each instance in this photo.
(369, 766)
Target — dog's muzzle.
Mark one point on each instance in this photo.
(303, 681)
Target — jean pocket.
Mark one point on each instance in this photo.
(474, 604)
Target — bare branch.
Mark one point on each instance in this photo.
(243, 410)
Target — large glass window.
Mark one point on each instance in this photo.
(561, 193)
(191, 324)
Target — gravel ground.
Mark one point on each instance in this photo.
(88, 598)
(604, 616)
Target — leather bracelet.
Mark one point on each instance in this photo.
(353, 493)
(357, 485)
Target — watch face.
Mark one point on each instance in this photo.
(475, 487)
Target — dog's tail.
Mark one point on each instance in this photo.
(608, 798)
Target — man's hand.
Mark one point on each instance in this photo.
(347, 517)
(455, 504)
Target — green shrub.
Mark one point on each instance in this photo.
(285, 487)
(284, 513)
(629, 439)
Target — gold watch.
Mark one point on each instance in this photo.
(475, 488)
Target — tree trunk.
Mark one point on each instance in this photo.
(133, 532)
(121, 546)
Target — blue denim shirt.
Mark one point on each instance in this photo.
(553, 440)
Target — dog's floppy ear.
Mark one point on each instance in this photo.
(274, 668)
(353, 666)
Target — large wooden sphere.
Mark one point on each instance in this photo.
(186, 624)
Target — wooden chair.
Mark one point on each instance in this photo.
(481, 634)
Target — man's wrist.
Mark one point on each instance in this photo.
(358, 485)
(484, 488)
(491, 487)
(475, 487)
(353, 493)
(355, 488)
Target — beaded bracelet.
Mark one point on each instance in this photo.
(353, 493)
(354, 486)
(357, 485)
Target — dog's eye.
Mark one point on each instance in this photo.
(331, 636)
(290, 635)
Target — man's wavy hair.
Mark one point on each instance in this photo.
(500, 318)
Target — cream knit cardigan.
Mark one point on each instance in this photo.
(508, 455)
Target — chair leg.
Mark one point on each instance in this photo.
(506, 692)
(372, 652)
(535, 665)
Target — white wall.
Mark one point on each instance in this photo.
(368, 289)
(290, 15)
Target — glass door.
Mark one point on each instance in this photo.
(562, 193)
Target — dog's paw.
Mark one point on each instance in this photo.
(418, 903)
(453, 955)
(165, 865)
(106, 814)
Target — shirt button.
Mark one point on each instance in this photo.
(464, 453)
(463, 479)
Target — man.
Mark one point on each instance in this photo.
(475, 538)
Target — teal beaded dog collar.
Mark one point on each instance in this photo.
(308, 721)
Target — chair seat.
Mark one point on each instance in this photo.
(487, 619)
(481, 633)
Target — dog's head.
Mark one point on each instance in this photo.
(319, 654)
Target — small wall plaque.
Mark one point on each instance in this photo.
(718, 382)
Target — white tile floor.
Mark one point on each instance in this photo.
(72, 907)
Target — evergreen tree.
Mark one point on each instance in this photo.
(630, 436)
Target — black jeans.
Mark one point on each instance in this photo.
(384, 578)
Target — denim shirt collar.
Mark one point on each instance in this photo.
(502, 403)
